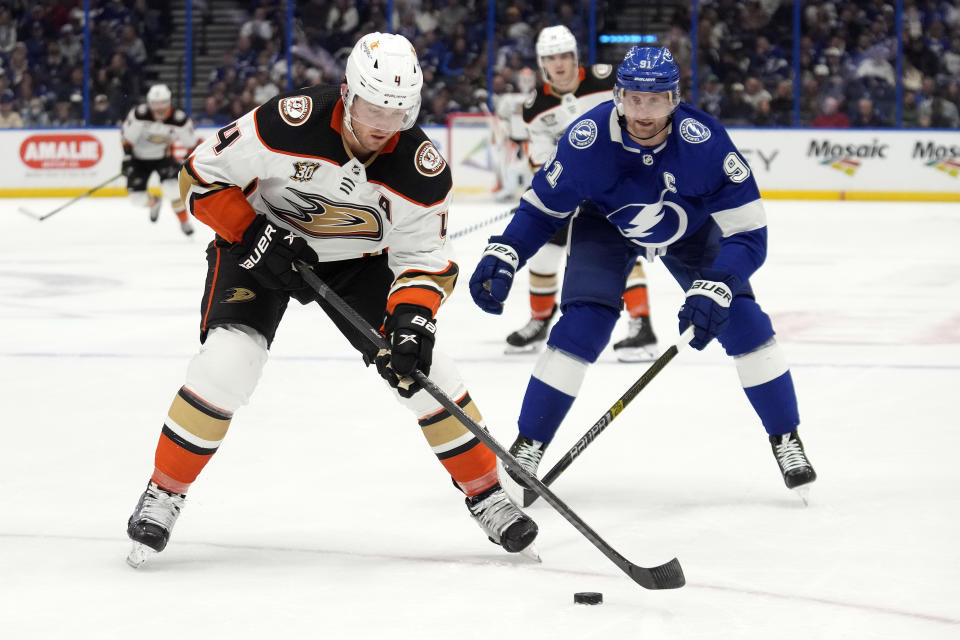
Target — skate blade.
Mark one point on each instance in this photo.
(530, 553)
(139, 554)
(804, 492)
(637, 354)
(533, 347)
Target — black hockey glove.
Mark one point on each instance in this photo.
(127, 163)
(411, 331)
(268, 252)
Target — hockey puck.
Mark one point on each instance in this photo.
(588, 597)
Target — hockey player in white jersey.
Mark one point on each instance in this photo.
(341, 178)
(147, 135)
(568, 91)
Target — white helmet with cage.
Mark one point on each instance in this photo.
(554, 40)
(384, 73)
(158, 95)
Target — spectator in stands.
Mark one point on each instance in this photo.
(875, 65)
(342, 21)
(8, 31)
(711, 96)
(736, 112)
(63, 115)
(35, 114)
(262, 86)
(782, 102)
(258, 28)
(53, 68)
(36, 43)
(102, 114)
(9, 118)
(866, 115)
(18, 63)
(939, 113)
(910, 114)
(768, 62)
(830, 115)
(212, 115)
(132, 46)
(754, 92)
(70, 44)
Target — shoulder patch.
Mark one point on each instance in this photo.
(694, 131)
(295, 110)
(602, 70)
(428, 160)
(583, 134)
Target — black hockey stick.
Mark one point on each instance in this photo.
(68, 202)
(665, 576)
(529, 497)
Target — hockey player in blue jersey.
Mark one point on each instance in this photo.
(646, 174)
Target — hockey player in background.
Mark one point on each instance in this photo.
(568, 91)
(646, 174)
(341, 178)
(147, 135)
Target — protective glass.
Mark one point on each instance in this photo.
(641, 105)
(383, 118)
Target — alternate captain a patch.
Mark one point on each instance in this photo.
(295, 110)
(429, 162)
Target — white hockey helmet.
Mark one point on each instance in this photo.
(159, 96)
(554, 40)
(384, 72)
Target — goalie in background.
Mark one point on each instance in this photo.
(147, 135)
(647, 174)
(510, 138)
(568, 91)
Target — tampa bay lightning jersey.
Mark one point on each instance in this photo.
(655, 196)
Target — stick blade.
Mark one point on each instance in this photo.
(29, 213)
(666, 576)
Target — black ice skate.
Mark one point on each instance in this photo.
(797, 471)
(186, 227)
(530, 336)
(501, 520)
(151, 522)
(640, 345)
(155, 204)
(528, 453)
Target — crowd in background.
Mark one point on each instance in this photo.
(745, 70)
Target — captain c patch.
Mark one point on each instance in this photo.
(295, 110)
(429, 162)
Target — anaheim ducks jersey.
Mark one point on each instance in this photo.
(151, 139)
(548, 114)
(288, 160)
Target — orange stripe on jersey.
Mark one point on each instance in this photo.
(213, 287)
(422, 296)
(226, 211)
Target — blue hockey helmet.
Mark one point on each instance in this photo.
(648, 70)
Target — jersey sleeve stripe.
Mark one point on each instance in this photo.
(531, 197)
(747, 217)
(408, 199)
(422, 295)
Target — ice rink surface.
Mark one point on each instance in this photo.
(325, 514)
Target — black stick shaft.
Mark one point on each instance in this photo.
(666, 576)
(79, 197)
(616, 409)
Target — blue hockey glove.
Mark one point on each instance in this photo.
(411, 331)
(707, 307)
(491, 280)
